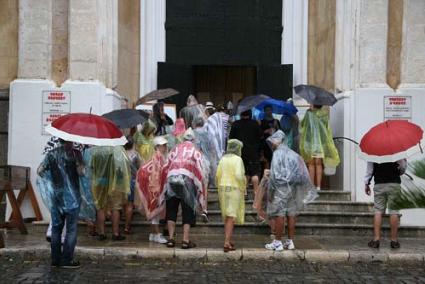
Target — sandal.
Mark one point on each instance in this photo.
(127, 231)
(188, 245)
(171, 243)
(228, 248)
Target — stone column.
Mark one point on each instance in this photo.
(413, 43)
(35, 39)
(93, 40)
(372, 43)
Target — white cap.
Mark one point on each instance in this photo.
(209, 104)
(159, 140)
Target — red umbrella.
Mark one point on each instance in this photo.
(391, 141)
(88, 129)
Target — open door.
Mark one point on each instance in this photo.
(176, 76)
(275, 81)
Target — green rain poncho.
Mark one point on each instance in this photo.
(316, 138)
(111, 175)
(143, 140)
(231, 182)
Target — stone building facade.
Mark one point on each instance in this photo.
(105, 50)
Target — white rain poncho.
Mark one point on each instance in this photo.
(290, 187)
(204, 143)
(192, 111)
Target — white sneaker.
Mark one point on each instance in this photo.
(275, 245)
(289, 244)
(151, 237)
(159, 238)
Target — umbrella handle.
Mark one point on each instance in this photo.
(409, 176)
(420, 147)
(351, 140)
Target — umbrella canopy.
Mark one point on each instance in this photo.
(127, 118)
(279, 107)
(250, 102)
(157, 95)
(391, 141)
(315, 95)
(88, 129)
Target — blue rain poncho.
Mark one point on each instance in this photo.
(59, 180)
(290, 187)
(204, 143)
(87, 208)
(316, 138)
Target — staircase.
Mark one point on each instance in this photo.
(332, 214)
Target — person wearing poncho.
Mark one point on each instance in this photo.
(111, 177)
(59, 186)
(150, 189)
(185, 182)
(143, 140)
(231, 183)
(191, 111)
(217, 127)
(176, 137)
(289, 189)
(316, 144)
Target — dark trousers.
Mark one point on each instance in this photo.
(66, 254)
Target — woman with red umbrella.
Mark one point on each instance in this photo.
(386, 147)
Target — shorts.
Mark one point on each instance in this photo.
(278, 207)
(252, 168)
(116, 201)
(155, 220)
(130, 196)
(172, 208)
(383, 194)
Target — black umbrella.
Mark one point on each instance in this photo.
(250, 102)
(315, 95)
(127, 118)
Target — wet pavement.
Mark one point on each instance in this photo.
(177, 271)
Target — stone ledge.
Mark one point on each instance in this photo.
(217, 255)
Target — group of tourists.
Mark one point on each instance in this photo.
(166, 165)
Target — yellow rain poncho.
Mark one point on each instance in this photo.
(111, 175)
(231, 182)
(143, 140)
(316, 138)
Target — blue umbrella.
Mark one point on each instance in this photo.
(279, 107)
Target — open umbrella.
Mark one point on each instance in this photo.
(157, 95)
(391, 141)
(88, 129)
(279, 107)
(315, 95)
(127, 118)
(250, 102)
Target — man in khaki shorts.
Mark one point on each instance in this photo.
(387, 184)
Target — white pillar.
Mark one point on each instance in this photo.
(295, 38)
(152, 42)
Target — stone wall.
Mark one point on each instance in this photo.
(8, 42)
(129, 49)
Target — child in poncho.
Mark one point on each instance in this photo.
(231, 183)
(316, 144)
(150, 189)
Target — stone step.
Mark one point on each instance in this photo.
(321, 205)
(307, 229)
(324, 195)
(308, 217)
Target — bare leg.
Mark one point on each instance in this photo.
(116, 222)
(279, 227)
(128, 215)
(319, 171)
(311, 170)
(101, 221)
(186, 230)
(228, 231)
(154, 229)
(255, 185)
(171, 229)
(394, 222)
(291, 227)
(272, 226)
(377, 222)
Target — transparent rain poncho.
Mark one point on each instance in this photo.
(143, 140)
(205, 144)
(192, 111)
(231, 182)
(316, 138)
(59, 180)
(87, 208)
(290, 187)
(110, 174)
